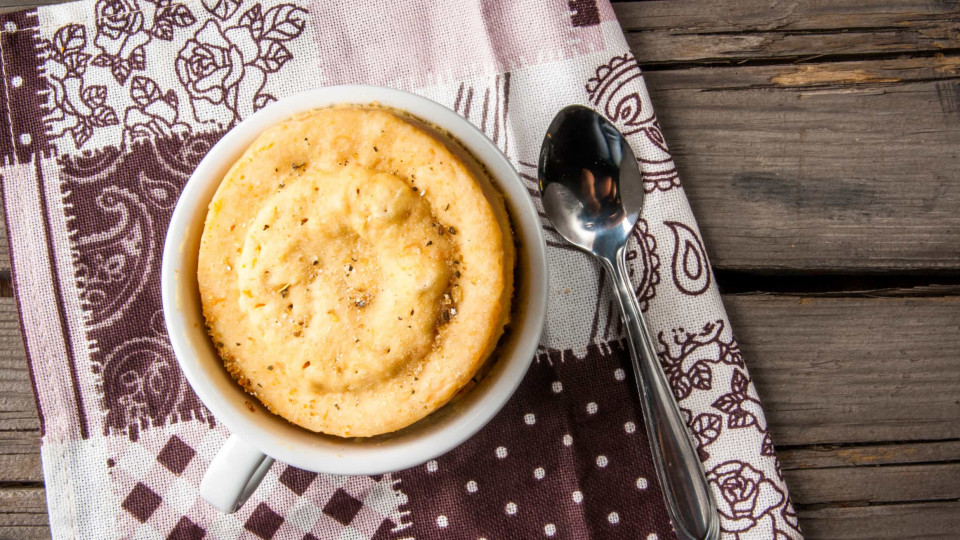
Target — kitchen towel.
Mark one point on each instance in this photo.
(108, 105)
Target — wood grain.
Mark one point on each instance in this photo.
(17, 404)
(20, 456)
(834, 370)
(19, 426)
(873, 77)
(708, 31)
(818, 176)
(929, 482)
(23, 513)
(927, 520)
(822, 166)
(788, 15)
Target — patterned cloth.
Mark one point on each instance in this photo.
(108, 105)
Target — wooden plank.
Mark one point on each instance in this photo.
(703, 31)
(787, 15)
(894, 483)
(927, 520)
(822, 457)
(23, 513)
(809, 169)
(17, 403)
(921, 290)
(19, 425)
(835, 370)
(20, 456)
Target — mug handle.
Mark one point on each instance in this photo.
(234, 475)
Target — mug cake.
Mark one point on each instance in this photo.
(355, 270)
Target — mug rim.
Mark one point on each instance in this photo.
(336, 456)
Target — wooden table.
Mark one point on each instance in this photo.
(819, 143)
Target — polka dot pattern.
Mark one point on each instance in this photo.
(566, 453)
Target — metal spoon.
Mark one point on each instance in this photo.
(592, 191)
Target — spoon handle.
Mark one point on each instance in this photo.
(681, 475)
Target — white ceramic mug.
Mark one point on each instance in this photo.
(258, 437)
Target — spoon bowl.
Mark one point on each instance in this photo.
(590, 197)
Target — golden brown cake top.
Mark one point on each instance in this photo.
(355, 269)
